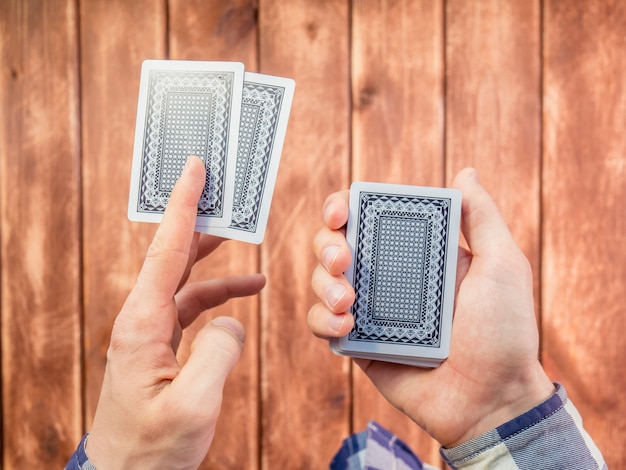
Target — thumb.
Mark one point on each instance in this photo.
(215, 352)
(483, 227)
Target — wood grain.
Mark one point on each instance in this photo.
(584, 217)
(493, 108)
(305, 388)
(115, 38)
(39, 223)
(397, 137)
(226, 30)
(532, 94)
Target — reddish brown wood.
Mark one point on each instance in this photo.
(493, 108)
(397, 94)
(305, 388)
(226, 30)
(290, 401)
(40, 231)
(584, 183)
(115, 38)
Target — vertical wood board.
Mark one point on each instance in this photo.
(115, 38)
(305, 389)
(39, 226)
(226, 30)
(493, 108)
(397, 137)
(584, 217)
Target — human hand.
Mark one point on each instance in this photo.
(492, 373)
(152, 412)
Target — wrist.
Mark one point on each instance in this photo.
(512, 399)
(103, 453)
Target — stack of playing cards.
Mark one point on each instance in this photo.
(404, 246)
(235, 121)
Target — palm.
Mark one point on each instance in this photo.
(483, 354)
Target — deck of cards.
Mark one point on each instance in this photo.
(235, 121)
(404, 246)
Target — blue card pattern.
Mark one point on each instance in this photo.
(188, 113)
(400, 259)
(260, 111)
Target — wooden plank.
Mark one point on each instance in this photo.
(226, 30)
(584, 183)
(305, 389)
(40, 227)
(493, 108)
(397, 83)
(115, 37)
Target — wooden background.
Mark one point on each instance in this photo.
(532, 93)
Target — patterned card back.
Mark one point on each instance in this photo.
(260, 112)
(400, 267)
(188, 113)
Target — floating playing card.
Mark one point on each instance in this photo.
(404, 244)
(185, 108)
(265, 108)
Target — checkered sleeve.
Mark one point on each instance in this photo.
(79, 460)
(550, 435)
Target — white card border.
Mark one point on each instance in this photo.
(231, 153)
(272, 172)
(404, 352)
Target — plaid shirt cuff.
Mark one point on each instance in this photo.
(551, 435)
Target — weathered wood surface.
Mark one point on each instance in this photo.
(493, 108)
(305, 390)
(115, 37)
(532, 94)
(226, 30)
(40, 233)
(584, 216)
(397, 137)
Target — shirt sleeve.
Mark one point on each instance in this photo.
(551, 435)
(79, 459)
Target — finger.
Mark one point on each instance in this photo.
(336, 209)
(214, 353)
(195, 298)
(207, 245)
(483, 227)
(193, 250)
(332, 251)
(169, 252)
(334, 291)
(464, 261)
(325, 324)
(202, 245)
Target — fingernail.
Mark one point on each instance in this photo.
(329, 256)
(231, 324)
(335, 322)
(334, 294)
(188, 162)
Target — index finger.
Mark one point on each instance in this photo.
(336, 209)
(169, 251)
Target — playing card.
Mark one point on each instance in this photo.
(404, 244)
(185, 108)
(266, 104)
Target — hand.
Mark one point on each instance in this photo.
(152, 412)
(492, 373)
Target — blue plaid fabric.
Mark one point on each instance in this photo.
(79, 460)
(375, 448)
(550, 436)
